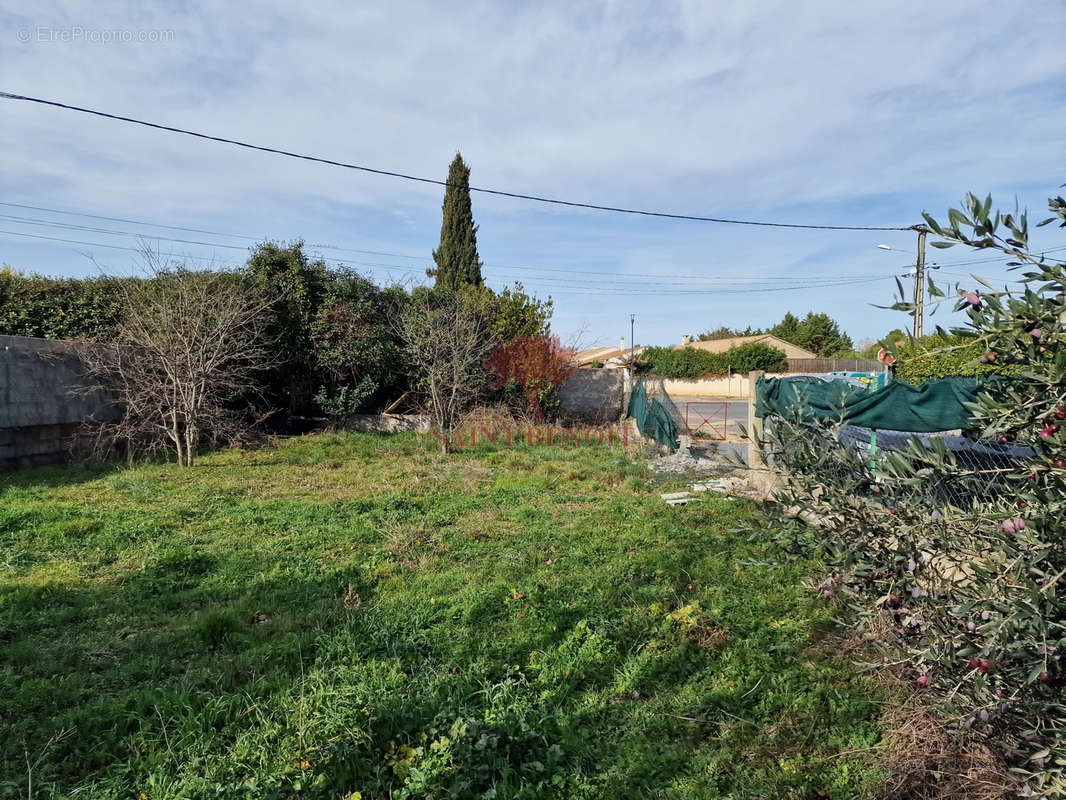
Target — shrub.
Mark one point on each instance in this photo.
(189, 346)
(753, 355)
(357, 355)
(942, 356)
(510, 313)
(687, 362)
(952, 570)
(536, 367)
(690, 362)
(298, 285)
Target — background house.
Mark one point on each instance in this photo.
(721, 345)
(611, 357)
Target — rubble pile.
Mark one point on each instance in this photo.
(683, 462)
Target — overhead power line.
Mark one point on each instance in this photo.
(616, 274)
(418, 179)
(550, 282)
(36, 221)
(556, 289)
(132, 221)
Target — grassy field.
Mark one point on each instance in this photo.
(354, 616)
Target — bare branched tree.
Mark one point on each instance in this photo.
(186, 355)
(446, 344)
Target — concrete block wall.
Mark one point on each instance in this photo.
(36, 445)
(594, 394)
(40, 409)
(725, 386)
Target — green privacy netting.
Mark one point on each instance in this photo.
(934, 406)
(652, 418)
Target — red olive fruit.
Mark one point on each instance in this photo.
(973, 298)
(1008, 527)
(1044, 677)
(923, 680)
(1060, 412)
(1060, 463)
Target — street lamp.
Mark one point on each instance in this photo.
(919, 279)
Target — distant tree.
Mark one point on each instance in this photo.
(788, 328)
(456, 258)
(725, 332)
(446, 342)
(822, 334)
(892, 342)
(819, 333)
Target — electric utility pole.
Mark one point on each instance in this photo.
(632, 341)
(919, 282)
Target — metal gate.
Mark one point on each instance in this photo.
(707, 419)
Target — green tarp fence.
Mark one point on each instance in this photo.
(938, 405)
(652, 418)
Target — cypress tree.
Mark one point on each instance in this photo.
(457, 259)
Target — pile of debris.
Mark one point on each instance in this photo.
(683, 461)
(727, 485)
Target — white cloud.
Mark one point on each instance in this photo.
(821, 112)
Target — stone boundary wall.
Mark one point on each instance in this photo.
(40, 411)
(597, 395)
(388, 423)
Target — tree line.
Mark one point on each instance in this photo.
(818, 333)
(201, 355)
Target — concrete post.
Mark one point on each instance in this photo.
(754, 426)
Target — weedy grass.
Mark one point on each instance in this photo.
(356, 616)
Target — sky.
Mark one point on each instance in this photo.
(824, 113)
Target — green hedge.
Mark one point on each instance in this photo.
(691, 362)
(944, 357)
(57, 308)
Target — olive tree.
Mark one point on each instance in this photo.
(955, 569)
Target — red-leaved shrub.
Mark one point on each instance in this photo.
(536, 367)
